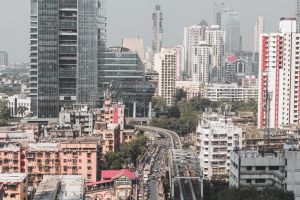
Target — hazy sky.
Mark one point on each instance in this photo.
(133, 18)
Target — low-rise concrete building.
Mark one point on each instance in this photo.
(19, 105)
(231, 92)
(266, 168)
(65, 187)
(80, 116)
(192, 89)
(15, 184)
(115, 185)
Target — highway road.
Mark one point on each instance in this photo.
(184, 188)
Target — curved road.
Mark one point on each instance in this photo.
(175, 139)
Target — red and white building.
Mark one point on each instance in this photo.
(115, 185)
(279, 73)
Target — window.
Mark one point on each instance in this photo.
(274, 168)
(249, 168)
(260, 180)
(260, 168)
(248, 181)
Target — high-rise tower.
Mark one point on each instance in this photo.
(67, 38)
(157, 18)
(229, 21)
(258, 29)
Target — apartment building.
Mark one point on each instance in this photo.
(192, 89)
(12, 159)
(230, 92)
(266, 168)
(216, 137)
(109, 135)
(279, 76)
(165, 64)
(16, 185)
(111, 113)
(214, 38)
(201, 62)
(80, 156)
(80, 116)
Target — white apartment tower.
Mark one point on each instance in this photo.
(215, 37)
(166, 67)
(201, 57)
(192, 36)
(195, 36)
(217, 136)
(258, 30)
(279, 74)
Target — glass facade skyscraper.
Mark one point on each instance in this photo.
(67, 41)
(123, 72)
(229, 21)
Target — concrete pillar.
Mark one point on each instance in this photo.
(150, 110)
(134, 110)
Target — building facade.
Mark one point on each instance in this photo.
(66, 41)
(80, 116)
(279, 76)
(167, 74)
(230, 23)
(16, 185)
(157, 29)
(217, 136)
(81, 156)
(115, 184)
(265, 169)
(258, 30)
(19, 105)
(201, 63)
(61, 187)
(3, 58)
(135, 45)
(231, 92)
(121, 71)
(211, 36)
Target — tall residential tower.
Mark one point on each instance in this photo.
(279, 77)
(66, 41)
(258, 29)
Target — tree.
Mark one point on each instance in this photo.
(158, 103)
(174, 112)
(4, 110)
(113, 160)
(180, 95)
(21, 110)
(127, 154)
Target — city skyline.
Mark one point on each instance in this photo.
(17, 46)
